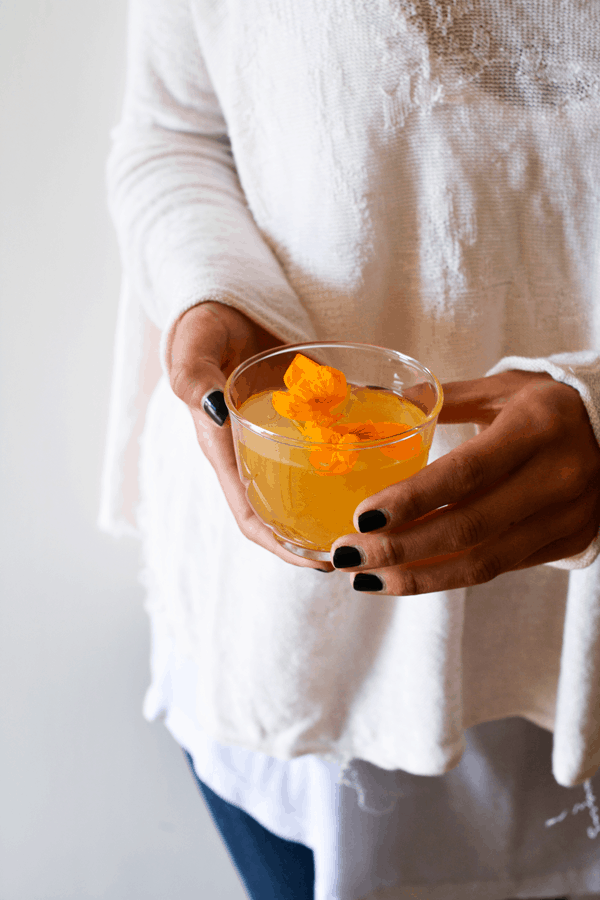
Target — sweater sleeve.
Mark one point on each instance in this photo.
(582, 372)
(185, 232)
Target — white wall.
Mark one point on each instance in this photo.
(94, 802)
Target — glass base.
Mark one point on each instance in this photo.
(305, 552)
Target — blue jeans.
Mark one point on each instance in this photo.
(270, 868)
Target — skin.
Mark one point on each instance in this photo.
(524, 491)
(208, 342)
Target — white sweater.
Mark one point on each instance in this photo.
(415, 175)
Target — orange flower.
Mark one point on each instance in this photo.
(337, 459)
(314, 382)
(405, 449)
(289, 405)
(314, 400)
(313, 393)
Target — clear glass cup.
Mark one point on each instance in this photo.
(306, 509)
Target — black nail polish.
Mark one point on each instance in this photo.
(214, 406)
(371, 520)
(347, 558)
(365, 581)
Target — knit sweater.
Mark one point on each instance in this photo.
(417, 175)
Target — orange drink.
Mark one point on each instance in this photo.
(311, 443)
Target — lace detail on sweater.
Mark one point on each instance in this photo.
(529, 53)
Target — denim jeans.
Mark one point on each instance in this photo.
(270, 867)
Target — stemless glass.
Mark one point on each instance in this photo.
(308, 509)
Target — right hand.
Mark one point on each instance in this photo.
(207, 344)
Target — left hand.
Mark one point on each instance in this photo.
(524, 491)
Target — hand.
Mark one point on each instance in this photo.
(208, 342)
(523, 492)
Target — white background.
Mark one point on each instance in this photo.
(94, 802)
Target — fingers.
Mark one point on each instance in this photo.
(466, 524)
(542, 413)
(524, 492)
(217, 444)
(472, 467)
(549, 535)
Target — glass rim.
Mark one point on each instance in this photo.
(305, 442)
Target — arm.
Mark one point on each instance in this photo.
(185, 231)
(190, 246)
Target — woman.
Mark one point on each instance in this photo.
(423, 176)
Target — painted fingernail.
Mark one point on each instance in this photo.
(347, 558)
(365, 581)
(214, 406)
(371, 520)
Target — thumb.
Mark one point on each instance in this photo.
(197, 356)
(468, 401)
(481, 400)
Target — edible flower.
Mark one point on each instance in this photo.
(335, 460)
(379, 431)
(314, 400)
(313, 393)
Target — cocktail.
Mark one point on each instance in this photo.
(318, 427)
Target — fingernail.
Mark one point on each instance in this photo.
(371, 520)
(347, 558)
(214, 406)
(364, 581)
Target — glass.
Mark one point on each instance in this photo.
(308, 509)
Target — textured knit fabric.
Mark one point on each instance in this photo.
(423, 176)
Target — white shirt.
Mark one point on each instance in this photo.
(384, 834)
